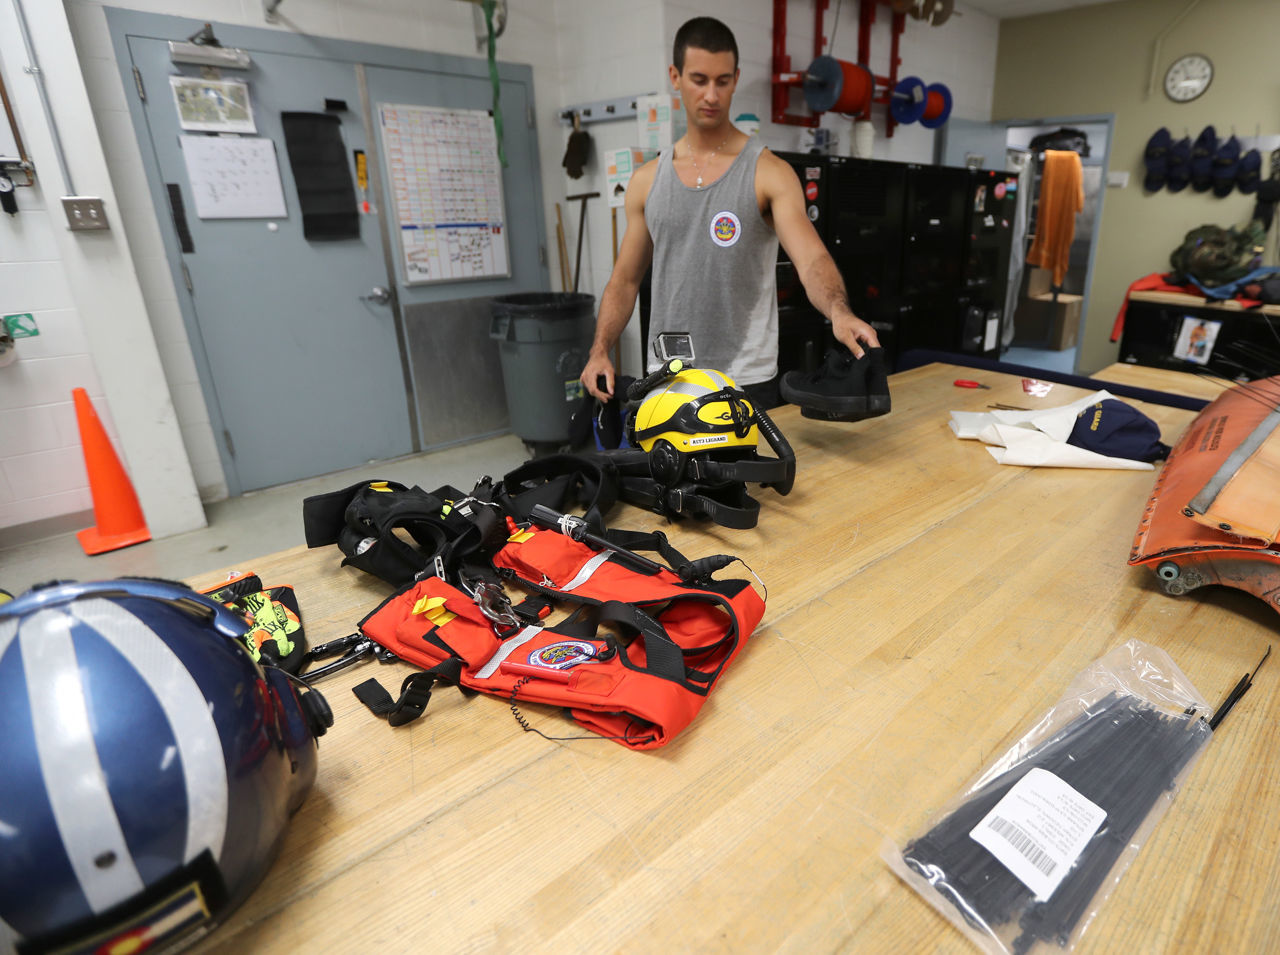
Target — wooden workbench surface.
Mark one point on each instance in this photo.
(925, 606)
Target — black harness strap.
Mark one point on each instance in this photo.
(415, 692)
(451, 530)
(728, 506)
(561, 482)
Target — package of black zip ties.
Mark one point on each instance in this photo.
(1032, 848)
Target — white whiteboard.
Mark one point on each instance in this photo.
(446, 188)
(234, 177)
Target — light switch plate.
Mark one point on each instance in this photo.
(85, 214)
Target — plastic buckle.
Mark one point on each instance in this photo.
(415, 694)
(675, 500)
(528, 615)
(436, 568)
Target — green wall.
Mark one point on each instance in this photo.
(1098, 59)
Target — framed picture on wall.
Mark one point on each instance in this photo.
(212, 106)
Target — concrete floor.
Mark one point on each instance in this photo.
(245, 527)
(1064, 361)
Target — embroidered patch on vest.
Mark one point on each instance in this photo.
(725, 229)
(563, 655)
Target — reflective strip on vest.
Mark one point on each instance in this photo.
(504, 651)
(583, 575)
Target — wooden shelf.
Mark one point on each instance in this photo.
(1195, 301)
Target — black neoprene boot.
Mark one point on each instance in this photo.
(843, 389)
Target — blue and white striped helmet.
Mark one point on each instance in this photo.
(147, 765)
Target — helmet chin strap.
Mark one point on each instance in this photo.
(782, 448)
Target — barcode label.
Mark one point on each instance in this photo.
(1024, 844)
(1038, 830)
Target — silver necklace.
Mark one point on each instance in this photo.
(693, 158)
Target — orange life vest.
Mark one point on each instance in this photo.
(678, 634)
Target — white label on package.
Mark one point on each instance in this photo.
(1039, 829)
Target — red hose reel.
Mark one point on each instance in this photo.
(843, 87)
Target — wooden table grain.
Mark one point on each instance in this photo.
(925, 606)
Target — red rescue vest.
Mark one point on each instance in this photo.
(641, 688)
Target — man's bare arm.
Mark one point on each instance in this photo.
(815, 267)
(619, 296)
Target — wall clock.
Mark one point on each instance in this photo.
(1188, 77)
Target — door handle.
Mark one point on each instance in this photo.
(379, 295)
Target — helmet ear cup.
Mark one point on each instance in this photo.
(666, 464)
(318, 713)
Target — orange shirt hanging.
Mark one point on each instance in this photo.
(1061, 197)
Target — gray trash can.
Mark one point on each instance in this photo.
(543, 340)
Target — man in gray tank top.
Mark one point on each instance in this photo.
(709, 214)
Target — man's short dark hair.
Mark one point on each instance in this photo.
(704, 33)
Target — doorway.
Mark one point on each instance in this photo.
(1042, 334)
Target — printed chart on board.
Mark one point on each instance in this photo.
(446, 185)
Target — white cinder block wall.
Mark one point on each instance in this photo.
(580, 51)
(88, 281)
(42, 471)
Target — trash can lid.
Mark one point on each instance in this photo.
(545, 304)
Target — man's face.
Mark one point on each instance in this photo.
(706, 86)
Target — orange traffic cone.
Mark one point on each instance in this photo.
(116, 511)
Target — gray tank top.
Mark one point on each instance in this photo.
(714, 269)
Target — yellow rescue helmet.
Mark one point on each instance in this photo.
(695, 410)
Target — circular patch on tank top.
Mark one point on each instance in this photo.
(725, 229)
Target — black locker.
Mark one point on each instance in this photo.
(803, 332)
(991, 204)
(923, 250)
(865, 226)
(934, 222)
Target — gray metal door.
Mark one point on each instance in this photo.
(305, 374)
(455, 366)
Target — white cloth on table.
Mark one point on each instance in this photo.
(1037, 438)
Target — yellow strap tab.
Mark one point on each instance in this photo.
(433, 608)
(520, 536)
(362, 169)
(379, 486)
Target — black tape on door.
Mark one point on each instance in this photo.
(179, 212)
(318, 158)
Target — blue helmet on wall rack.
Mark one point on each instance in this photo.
(150, 766)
